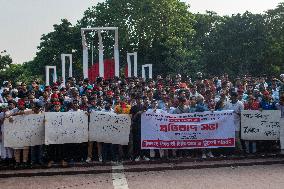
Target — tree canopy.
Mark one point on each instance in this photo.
(166, 34)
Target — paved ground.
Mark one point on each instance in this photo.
(260, 177)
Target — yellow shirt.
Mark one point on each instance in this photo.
(119, 110)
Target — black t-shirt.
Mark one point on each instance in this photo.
(22, 94)
(38, 94)
(133, 111)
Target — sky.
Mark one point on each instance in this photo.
(24, 21)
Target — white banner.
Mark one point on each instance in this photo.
(109, 128)
(66, 127)
(187, 131)
(24, 130)
(260, 125)
(282, 135)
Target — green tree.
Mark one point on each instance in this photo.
(159, 30)
(236, 45)
(63, 39)
(5, 61)
(167, 35)
(274, 55)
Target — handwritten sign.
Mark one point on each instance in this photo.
(187, 131)
(66, 127)
(282, 133)
(260, 125)
(109, 128)
(24, 130)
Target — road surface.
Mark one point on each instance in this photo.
(249, 177)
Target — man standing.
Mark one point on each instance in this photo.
(237, 106)
(251, 104)
(56, 152)
(135, 135)
(37, 151)
(181, 109)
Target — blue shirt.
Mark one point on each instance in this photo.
(201, 107)
(267, 105)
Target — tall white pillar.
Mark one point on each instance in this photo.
(85, 56)
(47, 79)
(63, 66)
(135, 64)
(150, 71)
(63, 63)
(71, 66)
(101, 54)
(46, 76)
(143, 72)
(116, 54)
(85, 63)
(55, 74)
(129, 64)
(150, 66)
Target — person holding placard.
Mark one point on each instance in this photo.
(75, 151)
(108, 148)
(237, 106)
(92, 107)
(121, 107)
(155, 109)
(201, 106)
(280, 107)
(20, 110)
(5, 153)
(267, 103)
(135, 131)
(37, 151)
(56, 152)
(251, 104)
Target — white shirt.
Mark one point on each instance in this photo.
(79, 110)
(109, 111)
(237, 107)
(275, 95)
(158, 111)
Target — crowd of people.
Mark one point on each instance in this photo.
(171, 94)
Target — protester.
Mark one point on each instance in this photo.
(252, 104)
(135, 130)
(6, 153)
(57, 152)
(154, 109)
(20, 110)
(37, 151)
(134, 96)
(93, 106)
(237, 106)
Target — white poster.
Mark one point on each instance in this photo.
(24, 130)
(66, 127)
(282, 135)
(187, 131)
(260, 125)
(109, 128)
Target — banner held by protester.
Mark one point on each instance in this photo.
(24, 130)
(187, 131)
(66, 127)
(109, 128)
(260, 125)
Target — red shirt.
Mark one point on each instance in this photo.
(83, 107)
(253, 106)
